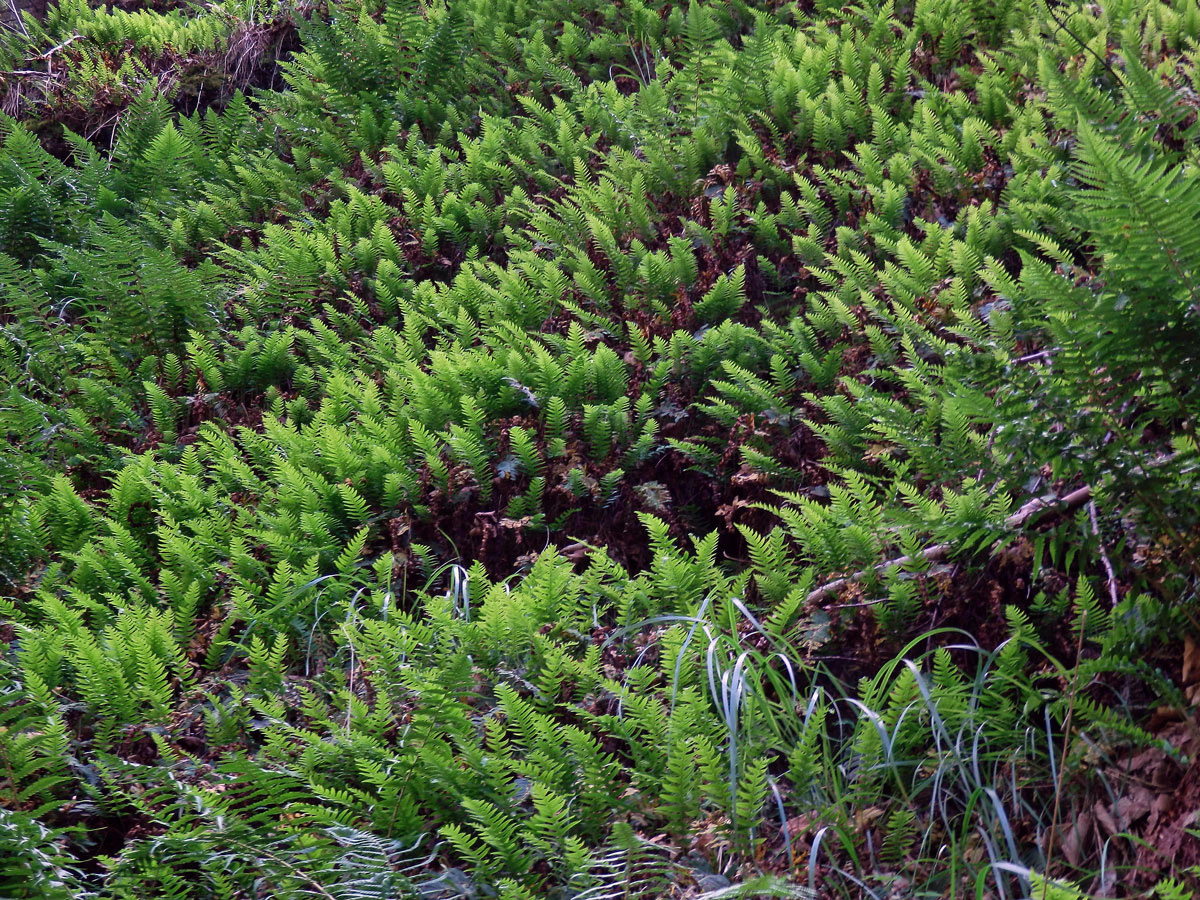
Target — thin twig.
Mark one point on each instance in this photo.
(1061, 23)
(72, 39)
(16, 14)
(1030, 357)
(1108, 567)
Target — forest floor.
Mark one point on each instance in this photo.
(589, 449)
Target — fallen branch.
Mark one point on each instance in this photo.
(938, 552)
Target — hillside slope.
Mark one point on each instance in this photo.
(576, 449)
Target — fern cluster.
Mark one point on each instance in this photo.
(530, 448)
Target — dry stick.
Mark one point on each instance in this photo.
(1108, 566)
(938, 552)
(48, 56)
(12, 6)
(72, 39)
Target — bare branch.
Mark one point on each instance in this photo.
(938, 552)
(1108, 566)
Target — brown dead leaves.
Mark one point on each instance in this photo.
(1146, 822)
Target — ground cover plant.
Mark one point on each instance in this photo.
(576, 449)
